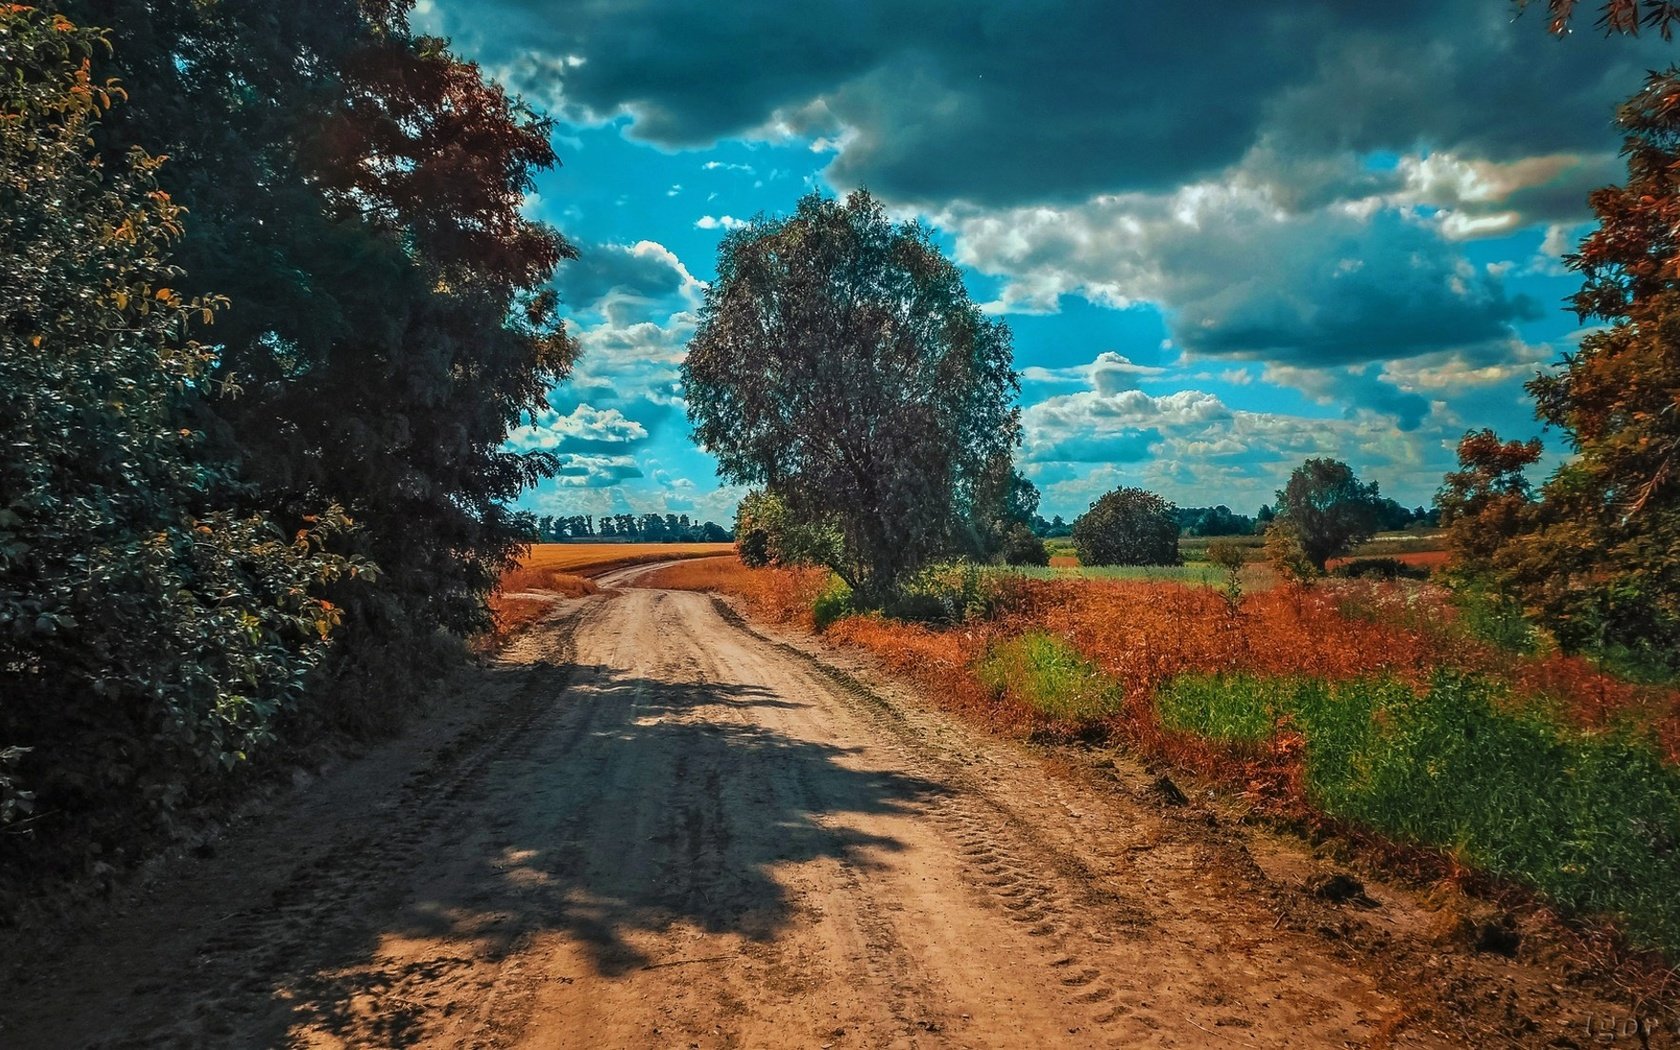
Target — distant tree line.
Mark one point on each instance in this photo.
(1223, 521)
(644, 528)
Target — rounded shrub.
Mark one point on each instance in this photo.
(1127, 527)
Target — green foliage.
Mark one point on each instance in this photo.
(1002, 505)
(1229, 557)
(355, 192)
(1328, 510)
(767, 534)
(1021, 546)
(1047, 673)
(1127, 527)
(951, 594)
(1214, 521)
(1592, 820)
(833, 602)
(150, 633)
(1380, 569)
(840, 364)
(1234, 710)
(1496, 619)
(1286, 554)
(1197, 575)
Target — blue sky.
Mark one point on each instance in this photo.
(1223, 246)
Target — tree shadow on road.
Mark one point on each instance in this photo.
(632, 806)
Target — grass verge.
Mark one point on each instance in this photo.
(1590, 819)
(1047, 674)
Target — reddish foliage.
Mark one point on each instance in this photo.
(780, 595)
(1422, 559)
(565, 569)
(941, 662)
(514, 606)
(1145, 634)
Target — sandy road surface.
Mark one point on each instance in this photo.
(653, 826)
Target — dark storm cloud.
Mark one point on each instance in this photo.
(1460, 76)
(642, 278)
(1037, 101)
(1336, 290)
(1241, 280)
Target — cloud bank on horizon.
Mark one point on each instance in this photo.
(1224, 244)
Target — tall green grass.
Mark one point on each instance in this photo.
(1592, 820)
(1048, 674)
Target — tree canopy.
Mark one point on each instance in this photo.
(1327, 510)
(840, 364)
(1594, 559)
(149, 630)
(202, 524)
(1628, 17)
(1001, 504)
(1127, 526)
(355, 195)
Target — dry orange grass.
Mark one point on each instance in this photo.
(565, 569)
(592, 559)
(1430, 560)
(780, 595)
(1146, 633)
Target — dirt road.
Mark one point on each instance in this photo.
(652, 825)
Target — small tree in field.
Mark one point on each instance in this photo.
(1127, 527)
(1286, 555)
(1230, 557)
(840, 365)
(1328, 510)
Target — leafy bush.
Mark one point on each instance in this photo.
(1286, 554)
(951, 594)
(1495, 619)
(1127, 527)
(833, 602)
(766, 534)
(1048, 674)
(1021, 546)
(1592, 820)
(752, 546)
(150, 637)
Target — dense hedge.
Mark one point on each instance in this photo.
(253, 399)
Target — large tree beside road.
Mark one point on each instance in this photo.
(841, 365)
